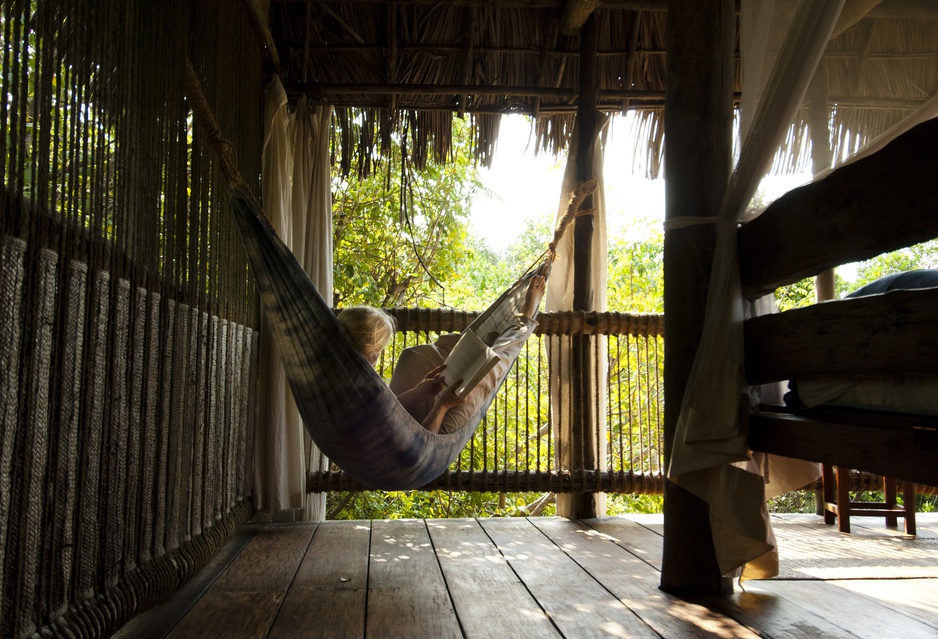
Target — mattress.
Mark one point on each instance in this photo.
(903, 395)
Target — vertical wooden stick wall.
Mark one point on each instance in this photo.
(127, 341)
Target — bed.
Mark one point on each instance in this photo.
(883, 202)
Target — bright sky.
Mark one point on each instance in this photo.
(528, 186)
(524, 186)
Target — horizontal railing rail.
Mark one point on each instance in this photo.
(515, 448)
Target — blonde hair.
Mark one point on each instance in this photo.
(369, 328)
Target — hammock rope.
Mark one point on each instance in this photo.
(351, 414)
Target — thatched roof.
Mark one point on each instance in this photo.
(420, 63)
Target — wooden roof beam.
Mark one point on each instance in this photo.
(259, 21)
(616, 5)
(886, 9)
(894, 9)
(316, 89)
(575, 14)
(324, 90)
(495, 50)
(507, 109)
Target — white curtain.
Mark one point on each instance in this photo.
(297, 199)
(559, 297)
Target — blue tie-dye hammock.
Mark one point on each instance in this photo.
(351, 414)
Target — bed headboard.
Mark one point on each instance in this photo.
(877, 204)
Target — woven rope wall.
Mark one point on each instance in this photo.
(127, 315)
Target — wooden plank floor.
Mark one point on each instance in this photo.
(538, 577)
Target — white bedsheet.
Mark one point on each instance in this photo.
(911, 395)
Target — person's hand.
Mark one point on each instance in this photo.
(448, 397)
(444, 401)
(431, 384)
(535, 292)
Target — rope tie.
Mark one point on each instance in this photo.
(224, 150)
(580, 193)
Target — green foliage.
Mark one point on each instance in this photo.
(636, 271)
(485, 274)
(797, 501)
(648, 504)
(794, 295)
(429, 504)
(803, 501)
(924, 255)
(920, 256)
(926, 503)
(401, 234)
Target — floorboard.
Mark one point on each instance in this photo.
(406, 589)
(857, 615)
(478, 575)
(640, 540)
(915, 598)
(327, 597)
(635, 583)
(537, 578)
(579, 605)
(156, 622)
(776, 617)
(244, 601)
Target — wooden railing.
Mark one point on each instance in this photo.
(515, 448)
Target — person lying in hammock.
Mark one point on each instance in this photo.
(371, 329)
(418, 378)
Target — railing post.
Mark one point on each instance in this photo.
(583, 447)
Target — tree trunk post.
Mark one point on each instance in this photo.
(698, 129)
(583, 447)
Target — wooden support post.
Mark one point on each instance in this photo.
(584, 440)
(821, 156)
(698, 127)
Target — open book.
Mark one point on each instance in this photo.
(470, 360)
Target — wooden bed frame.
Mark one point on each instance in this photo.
(881, 203)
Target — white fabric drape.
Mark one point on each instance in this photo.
(559, 297)
(296, 197)
(927, 111)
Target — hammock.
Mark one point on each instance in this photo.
(351, 414)
(349, 411)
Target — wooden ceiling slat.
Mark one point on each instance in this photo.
(618, 5)
(326, 89)
(426, 55)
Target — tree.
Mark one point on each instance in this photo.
(924, 255)
(485, 274)
(636, 270)
(400, 234)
